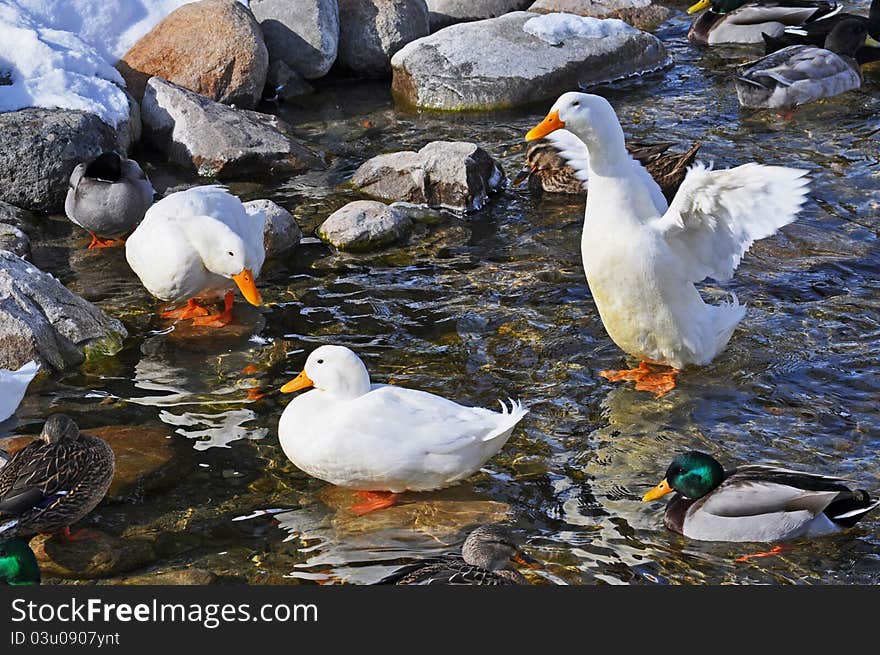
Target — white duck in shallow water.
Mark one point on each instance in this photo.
(13, 385)
(642, 257)
(199, 243)
(381, 438)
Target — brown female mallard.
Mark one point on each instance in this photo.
(547, 171)
(485, 559)
(54, 481)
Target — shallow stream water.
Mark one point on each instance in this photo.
(495, 305)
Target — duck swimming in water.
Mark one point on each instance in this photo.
(54, 481)
(485, 559)
(108, 197)
(745, 21)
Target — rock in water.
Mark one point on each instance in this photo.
(12, 237)
(280, 231)
(39, 148)
(215, 140)
(304, 34)
(212, 47)
(371, 31)
(495, 63)
(451, 174)
(446, 12)
(364, 225)
(42, 320)
(644, 14)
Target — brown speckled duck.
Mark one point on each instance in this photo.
(54, 481)
(547, 171)
(485, 559)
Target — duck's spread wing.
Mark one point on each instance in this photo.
(717, 215)
(756, 490)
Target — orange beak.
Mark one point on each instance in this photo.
(301, 381)
(545, 127)
(525, 560)
(245, 282)
(658, 492)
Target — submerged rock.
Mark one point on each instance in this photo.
(142, 456)
(100, 556)
(304, 34)
(364, 225)
(215, 140)
(644, 14)
(453, 174)
(280, 231)
(212, 47)
(41, 319)
(447, 12)
(178, 577)
(39, 148)
(371, 31)
(496, 63)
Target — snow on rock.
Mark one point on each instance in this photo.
(555, 29)
(55, 69)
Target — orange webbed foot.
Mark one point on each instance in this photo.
(647, 378)
(374, 500)
(101, 242)
(222, 319)
(770, 553)
(80, 535)
(191, 310)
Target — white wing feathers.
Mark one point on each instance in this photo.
(717, 215)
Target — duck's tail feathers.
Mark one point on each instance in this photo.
(850, 509)
(508, 419)
(727, 316)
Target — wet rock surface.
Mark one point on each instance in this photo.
(364, 225)
(212, 47)
(280, 231)
(452, 174)
(447, 12)
(215, 140)
(100, 555)
(643, 14)
(41, 319)
(494, 64)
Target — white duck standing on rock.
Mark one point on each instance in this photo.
(198, 245)
(643, 257)
(108, 197)
(380, 439)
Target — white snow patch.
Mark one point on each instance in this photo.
(556, 28)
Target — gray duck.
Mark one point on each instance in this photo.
(108, 197)
(485, 559)
(54, 481)
(547, 171)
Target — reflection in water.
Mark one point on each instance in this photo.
(495, 305)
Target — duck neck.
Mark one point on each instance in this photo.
(350, 386)
(607, 152)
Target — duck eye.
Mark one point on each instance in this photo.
(231, 254)
(576, 103)
(320, 361)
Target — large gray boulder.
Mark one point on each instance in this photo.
(39, 148)
(304, 34)
(451, 174)
(215, 140)
(495, 63)
(447, 12)
(644, 14)
(40, 319)
(280, 231)
(364, 225)
(371, 31)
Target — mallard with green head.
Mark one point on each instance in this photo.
(486, 558)
(816, 32)
(755, 502)
(18, 565)
(54, 481)
(745, 21)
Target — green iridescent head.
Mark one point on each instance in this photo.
(18, 565)
(693, 475)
